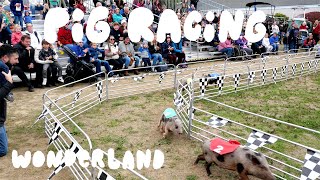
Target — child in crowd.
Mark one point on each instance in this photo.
(145, 54)
(49, 56)
(27, 18)
(94, 52)
(16, 35)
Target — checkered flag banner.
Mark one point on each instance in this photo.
(310, 65)
(220, 83)
(284, 70)
(74, 149)
(311, 166)
(178, 100)
(192, 115)
(203, 83)
(161, 77)
(100, 89)
(216, 122)
(274, 74)
(236, 81)
(76, 97)
(263, 75)
(42, 115)
(258, 139)
(102, 175)
(302, 67)
(56, 132)
(294, 67)
(316, 62)
(251, 76)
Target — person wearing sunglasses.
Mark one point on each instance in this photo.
(112, 55)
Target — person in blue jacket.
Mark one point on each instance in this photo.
(274, 42)
(94, 52)
(145, 54)
(168, 50)
(179, 52)
(16, 7)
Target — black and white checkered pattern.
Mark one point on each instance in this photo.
(294, 67)
(177, 100)
(55, 134)
(274, 74)
(251, 76)
(43, 114)
(263, 75)
(310, 65)
(76, 97)
(220, 83)
(258, 139)
(302, 68)
(74, 149)
(236, 81)
(216, 122)
(100, 90)
(161, 77)
(203, 83)
(102, 175)
(311, 166)
(284, 70)
(138, 78)
(316, 63)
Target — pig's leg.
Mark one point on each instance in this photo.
(165, 132)
(160, 121)
(242, 172)
(200, 157)
(208, 168)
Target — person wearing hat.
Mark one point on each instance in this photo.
(127, 53)
(274, 42)
(116, 16)
(124, 26)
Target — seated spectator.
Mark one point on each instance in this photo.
(80, 52)
(36, 5)
(258, 48)
(54, 3)
(274, 42)
(243, 44)
(65, 35)
(179, 52)
(27, 18)
(117, 17)
(140, 3)
(148, 5)
(266, 43)
(226, 47)
(94, 52)
(112, 55)
(155, 51)
(26, 61)
(126, 12)
(145, 54)
(124, 26)
(49, 58)
(45, 10)
(79, 5)
(5, 32)
(115, 31)
(16, 35)
(168, 50)
(127, 53)
(309, 42)
(192, 8)
(304, 26)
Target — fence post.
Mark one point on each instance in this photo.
(191, 106)
(107, 87)
(175, 77)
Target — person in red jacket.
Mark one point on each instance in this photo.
(79, 5)
(309, 42)
(65, 35)
(316, 31)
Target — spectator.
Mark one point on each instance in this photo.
(192, 8)
(258, 47)
(155, 51)
(79, 5)
(45, 10)
(145, 54)
(148, 5)
(26, 61)
(36, 5)
(80, 51)
(123, 27)
(179, 52)
(27, 18)
(274, 42)
(127, 53)
(54, 3)
(16, 35)
(112, 55)
(226, 47)
(115, 31)
(216, 19)
(94, 52)
(275, 28)
(126, 12)
(243, 44)
(184, 8)
(140, 3)
(65, 35)
(117, 17)
(309, 42)
(48, 57)
(266, 43)
(293, 38)
(194, 3)
(5, 32)
(316, 31)
(303, 26)
(16, 7)
(168, 50)
(286, 42)
(36, 40)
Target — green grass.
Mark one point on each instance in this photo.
(192, 177)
